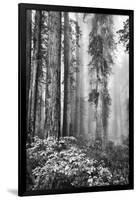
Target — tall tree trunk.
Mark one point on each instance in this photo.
(105, 113)
(77, 99)
(35, 63)
(28, 55)
(66, 114)
(99, 125)
(42, 113)
(52, 124)
(38, 58)
(28, 66)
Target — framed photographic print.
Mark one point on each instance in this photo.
(75, 99)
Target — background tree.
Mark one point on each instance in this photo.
(66, 117)
(124, 35)
(34, 47)
(71, 45)
(37, 60)
(101, 46)
(41, 83)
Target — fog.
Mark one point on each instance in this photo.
(118, 86)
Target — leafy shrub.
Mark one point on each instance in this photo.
(63, 164)
(115, 157)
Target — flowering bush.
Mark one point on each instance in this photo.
(62, 164)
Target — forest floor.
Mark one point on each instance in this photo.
(70, 163)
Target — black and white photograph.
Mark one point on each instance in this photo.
(77, 100)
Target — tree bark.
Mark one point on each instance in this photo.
(35, 63)
(77, 99)
(28, 65)
(66, 114)
(52, 123)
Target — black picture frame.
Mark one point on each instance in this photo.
(22, 96)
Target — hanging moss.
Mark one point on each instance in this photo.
(93, 96)
(101, 46)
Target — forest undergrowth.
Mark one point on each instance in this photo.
(67, 163)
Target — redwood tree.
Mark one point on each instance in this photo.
(52, 123)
